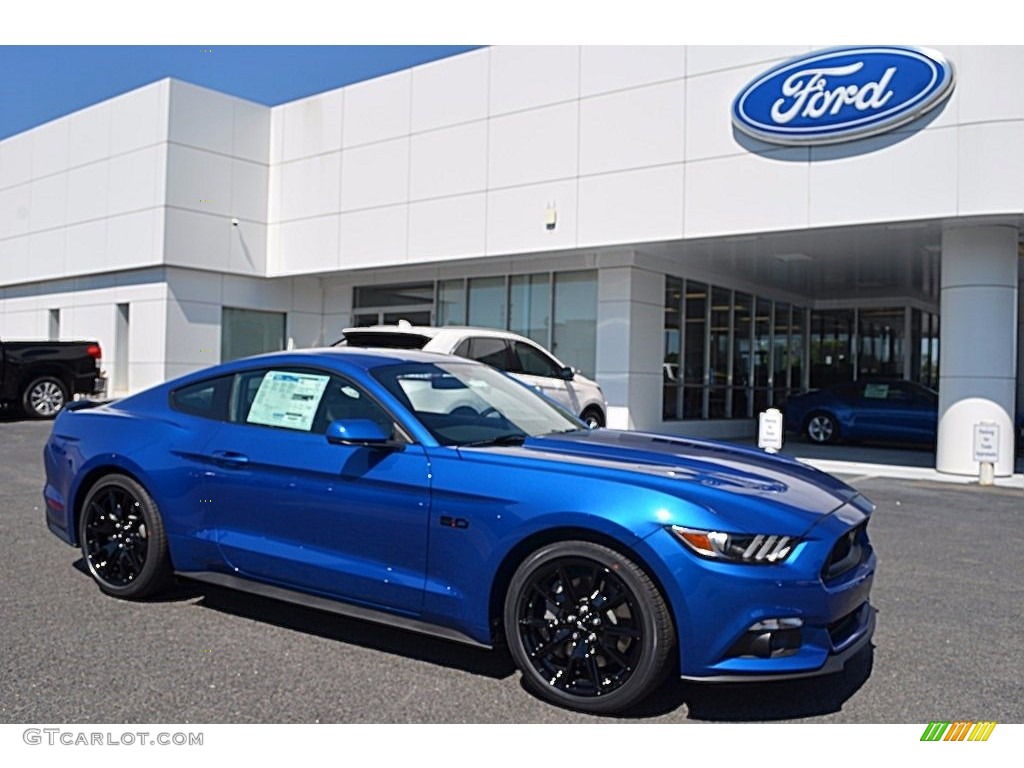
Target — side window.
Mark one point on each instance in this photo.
(463, 349)
(208, 399)
(305, 401)
(493, 352)
(532, 361)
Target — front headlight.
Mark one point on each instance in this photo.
(759, 549)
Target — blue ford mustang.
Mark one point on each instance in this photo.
(440, 495)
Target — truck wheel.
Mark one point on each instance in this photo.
(44, 397)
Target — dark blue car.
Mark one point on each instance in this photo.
(877, 409)
(442, 496)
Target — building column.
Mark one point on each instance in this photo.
(978, 359)
(630, 340)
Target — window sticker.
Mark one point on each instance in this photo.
(876, 391)
(288, 400)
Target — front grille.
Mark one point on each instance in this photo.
(847, 553)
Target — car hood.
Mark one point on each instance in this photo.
(746, 487)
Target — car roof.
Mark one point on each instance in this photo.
(431, 331)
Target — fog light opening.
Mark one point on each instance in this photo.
(770, 639)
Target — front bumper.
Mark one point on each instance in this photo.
(716, 606)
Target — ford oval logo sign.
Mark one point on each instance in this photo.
(841, 94)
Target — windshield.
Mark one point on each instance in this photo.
(463, 403)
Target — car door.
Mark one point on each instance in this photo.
(874, 410)
(534, 366)
(293, 509)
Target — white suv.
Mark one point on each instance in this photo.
(526, 360)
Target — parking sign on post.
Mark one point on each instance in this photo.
(986, 451)
(769, 430)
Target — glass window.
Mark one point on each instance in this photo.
(531, 361)
(574, 338)
(671, 373)
(742, 356)
(393, 295)
(493, 352)
(208, 399)
(487, 302)
(451, 302)
(695, 349)
(780, 354)
(246, 332)
(720, 360)
(529, 306)
(831, 347)
(301, 400)
(762, 355)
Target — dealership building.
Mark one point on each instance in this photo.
(704, 230)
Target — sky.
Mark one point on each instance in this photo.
(40, 83)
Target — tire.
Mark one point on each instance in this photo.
(592, 417)
(821, 428)
(571, 650)
(122, 539)
(44, 397)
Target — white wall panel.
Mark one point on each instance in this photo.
(632, 129)
(276, 150)
(89, 134)
(136, 239)
(447, 228)
(538, 145)
(193, 239)
(248, 190)
(615, 67)
(310, 187)
(376, 174)
(374, 237)
(701, 59)
(248, 248)
(49, 202)
(377, 109)
(140, 118)
(528, 76)
(88, 187)
(991, 168)
(86, 246)
(312, 126)
(304, 330)
(449, 161)
(193, 332)
(251, 131)
(201, 118)
(15, 208)
(15, 160)
(913, 178)
(450, 91)
(46, 255)
(709, 130)
(136, 179)
(632, 206)
(747, 193)
(13, 261)
(516, 218)
(989, 79)
(147, 333)
(309, 245)
(50, 148)
(199, 180)
(271, 295)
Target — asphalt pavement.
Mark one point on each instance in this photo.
(949, 594)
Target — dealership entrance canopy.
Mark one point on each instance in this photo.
(705, 230)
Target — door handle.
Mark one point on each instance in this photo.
(230, 459)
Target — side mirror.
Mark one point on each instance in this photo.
(567, 374)
(358, 432)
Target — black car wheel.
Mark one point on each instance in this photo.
(123, 538)
(587, 627)
(593, 418)
(821, 428)
(44, 397)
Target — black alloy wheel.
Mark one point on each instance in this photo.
(122, 538)
(587, 627)
(593, 418)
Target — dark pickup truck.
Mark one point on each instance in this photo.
(41, 376)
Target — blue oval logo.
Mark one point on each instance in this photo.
(842, 94)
